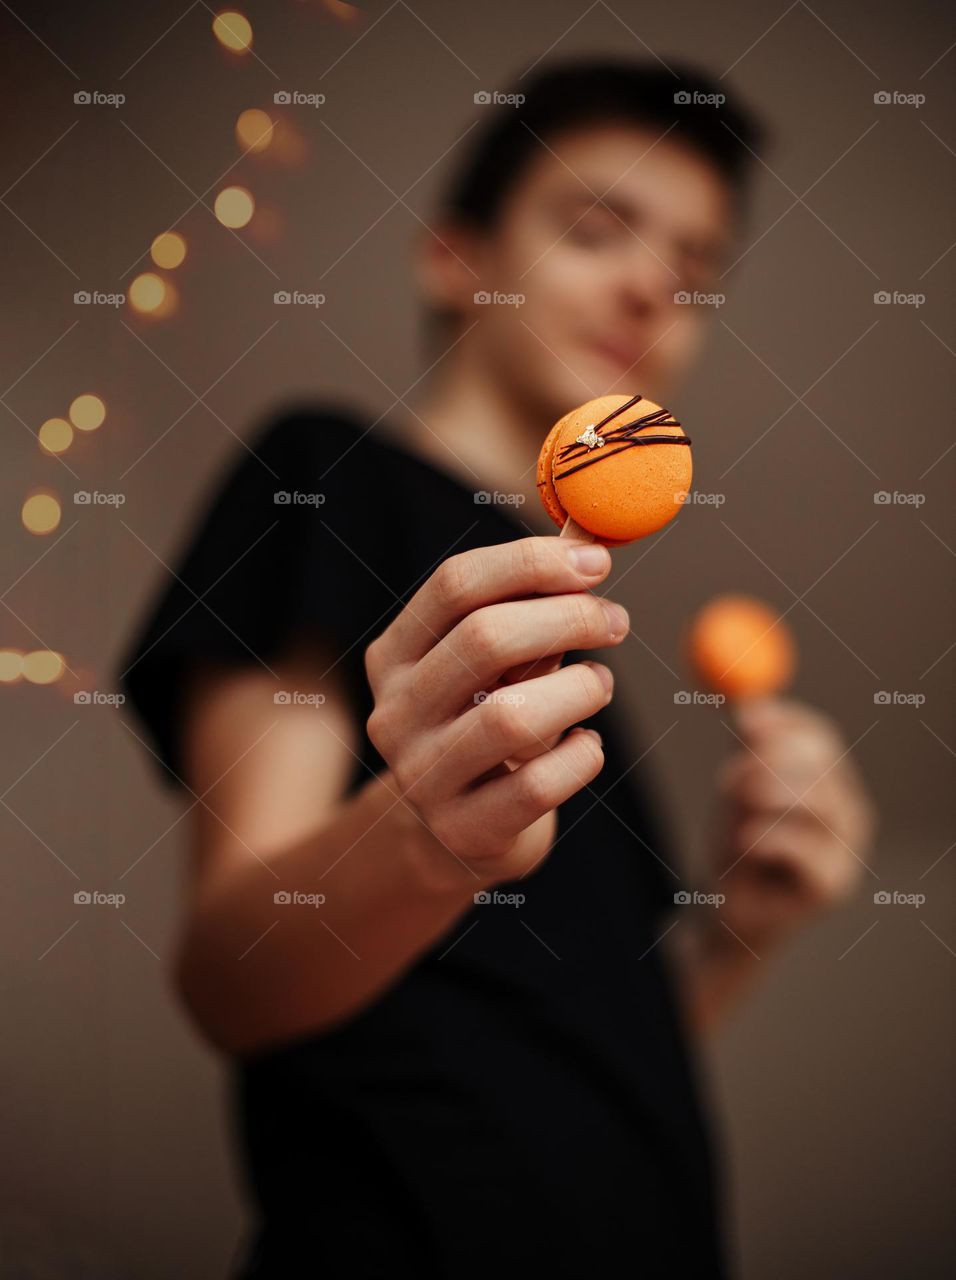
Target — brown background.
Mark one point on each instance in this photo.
(831, 1085)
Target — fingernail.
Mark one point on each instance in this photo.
(589, 559)
(607, 679)
(617, 619)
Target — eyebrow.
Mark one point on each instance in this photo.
(628, 212)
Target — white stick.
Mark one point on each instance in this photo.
(573, 530)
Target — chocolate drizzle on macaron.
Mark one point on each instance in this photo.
(625, 437)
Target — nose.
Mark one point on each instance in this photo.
(647, 281)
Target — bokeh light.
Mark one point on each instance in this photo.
(43, 666)
(41, 513)
(151, 295)
(168, 249)
(11, 665)
(87, 412)
(55, 436)
(234, 206)
(254, 129)
(233, 31)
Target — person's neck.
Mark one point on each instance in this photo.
(484, 437)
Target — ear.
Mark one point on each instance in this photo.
(448, 266)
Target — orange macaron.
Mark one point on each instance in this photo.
(741, 647)
(643, 478)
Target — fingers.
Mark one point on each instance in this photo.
(798, 762)
(801, 857)
(513, 720)
(490, 641)
(481, 577)
(487, 820)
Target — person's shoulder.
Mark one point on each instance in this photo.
(324, 431)
(329, 445)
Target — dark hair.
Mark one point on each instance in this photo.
(581, 93)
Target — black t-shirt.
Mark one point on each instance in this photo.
(522, 1101)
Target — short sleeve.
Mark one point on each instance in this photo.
(282, 548)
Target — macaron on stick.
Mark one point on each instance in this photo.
(643, 478)
(741, 648)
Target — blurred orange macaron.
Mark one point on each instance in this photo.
(741, 647)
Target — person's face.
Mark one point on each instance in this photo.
(602, 281)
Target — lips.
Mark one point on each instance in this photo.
(619, 354)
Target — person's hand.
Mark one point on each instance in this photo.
(485, 763)
(797, 822)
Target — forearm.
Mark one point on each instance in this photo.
(253, 971)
